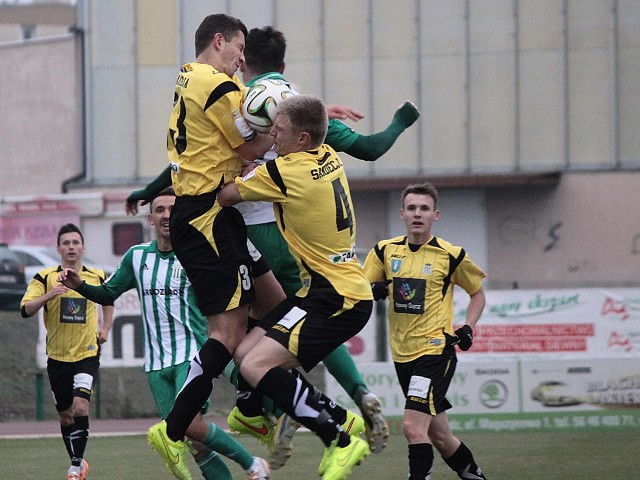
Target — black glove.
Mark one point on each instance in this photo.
(465, 337)
(380, 290)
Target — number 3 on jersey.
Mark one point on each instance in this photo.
(245, 277)
(178, 137)
(344, 219)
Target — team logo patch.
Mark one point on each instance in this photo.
(395, 265)
(73, 310)
(408, 295)
(427, 269)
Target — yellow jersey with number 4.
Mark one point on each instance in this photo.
(314, 212)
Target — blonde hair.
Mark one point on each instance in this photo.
(306, 113)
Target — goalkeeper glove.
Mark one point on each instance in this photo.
(465, 337)
(380, 290)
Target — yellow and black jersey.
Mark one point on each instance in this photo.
(421, 293)
(70, 319)
(202, 134)
(313, 209)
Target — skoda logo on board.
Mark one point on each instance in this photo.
(493, 394)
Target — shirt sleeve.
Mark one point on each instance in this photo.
(263, 183)
(468, 276)
(123, 278)
(35, 289)
(340, 136)
(374, 265)
(220, 112)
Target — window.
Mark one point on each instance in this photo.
(28, 31)
(125, 235)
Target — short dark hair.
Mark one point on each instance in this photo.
(227, 25)
(307, 113)
(264, 50)
(165, 192)
(69, 228)
(425, 188)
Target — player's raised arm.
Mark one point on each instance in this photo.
(148, 193)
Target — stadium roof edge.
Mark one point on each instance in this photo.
(457, 181)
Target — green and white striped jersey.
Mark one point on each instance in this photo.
(174, 329)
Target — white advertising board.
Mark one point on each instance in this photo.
(589, 322)
(483, 386)
(512, 394)
(565, 358)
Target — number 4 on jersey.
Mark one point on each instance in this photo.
(344, 219)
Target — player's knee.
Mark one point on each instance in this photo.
(414, 432)
(444, 442)
(66, 417)
(80, 407)
(249, 368)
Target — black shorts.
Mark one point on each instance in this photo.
(313, 327)
(211, 243)
(425, 381)
(71, 379)
(259, 265)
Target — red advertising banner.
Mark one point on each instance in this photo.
(591, 322)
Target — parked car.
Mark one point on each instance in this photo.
(36, 257)
(555, 394)
(12, 279)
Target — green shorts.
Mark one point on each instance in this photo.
(266, 237)
(165, 385)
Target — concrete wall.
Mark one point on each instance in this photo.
(39, 125)
(584, 232)
(504, 86)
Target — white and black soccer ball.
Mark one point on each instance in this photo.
(261, 102)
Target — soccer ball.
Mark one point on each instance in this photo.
(260, 105)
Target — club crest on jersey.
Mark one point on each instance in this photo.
(176, 271)
(395, 265)
(427, 269)
(175, 167)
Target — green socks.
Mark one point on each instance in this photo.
(220, 441)
(212, 467)
(344, 370)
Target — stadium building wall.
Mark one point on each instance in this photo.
(506, 88)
